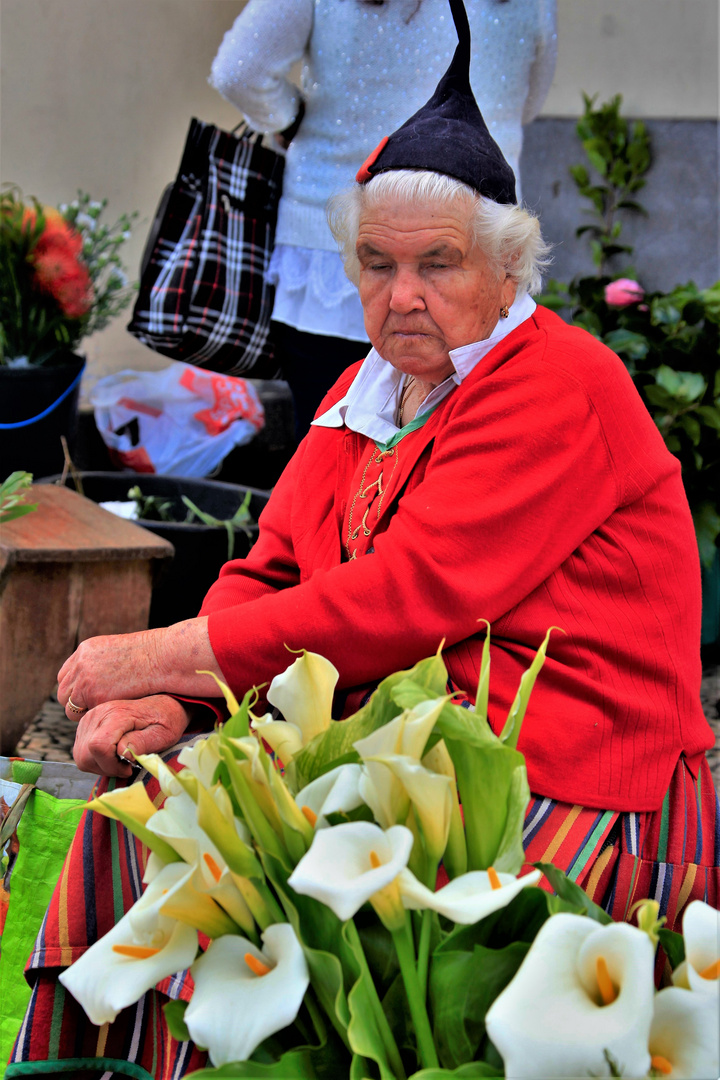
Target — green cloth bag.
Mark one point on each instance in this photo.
(44, 833)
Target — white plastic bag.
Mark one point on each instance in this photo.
(181, 420)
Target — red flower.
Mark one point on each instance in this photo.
(58, 267)
(58, 272)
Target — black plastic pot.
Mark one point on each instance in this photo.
(200, 550)
(27, 394)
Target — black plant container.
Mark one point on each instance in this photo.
(200, 550)
(24, 394)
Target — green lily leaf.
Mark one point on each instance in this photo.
(304, 1063)
(238, 726)
(331, 747)
(510, 853)
(572, 893)
(511, 730)
(674, 946)
(463, 985)
(362, 1032)
(483, 689)
(484, 767)
(175, 1019)
(464, 1072)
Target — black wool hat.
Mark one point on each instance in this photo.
(448, 134)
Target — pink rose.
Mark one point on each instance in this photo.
(622, 292)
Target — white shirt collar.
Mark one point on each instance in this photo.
(370, 404)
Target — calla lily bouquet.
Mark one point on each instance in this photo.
(313, 870)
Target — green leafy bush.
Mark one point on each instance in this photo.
(669, 342)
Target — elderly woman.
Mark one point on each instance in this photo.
(485, 461)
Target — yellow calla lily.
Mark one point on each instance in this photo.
(455, 857)
(202, 759)
(429, 792)
(286, 739)
(304, 694)
(134, 809)
(404, 736)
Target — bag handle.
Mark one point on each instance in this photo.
(26, 773)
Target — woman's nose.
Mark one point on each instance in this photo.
(407, 293)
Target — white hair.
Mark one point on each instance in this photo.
(508, 235)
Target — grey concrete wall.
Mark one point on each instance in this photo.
(678, 241)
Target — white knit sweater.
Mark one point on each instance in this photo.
(366, 67)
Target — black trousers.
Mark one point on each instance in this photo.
(310, 364)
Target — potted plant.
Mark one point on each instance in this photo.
(669, 342)
(206, 521)
(62, 280)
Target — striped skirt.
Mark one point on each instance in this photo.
(671, 855)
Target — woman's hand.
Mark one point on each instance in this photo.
(147, 726)
(130, 666)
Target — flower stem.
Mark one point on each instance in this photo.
(424, 952)
(315, 1015)
(425, 931)
(418, 1011)
(384, 1030)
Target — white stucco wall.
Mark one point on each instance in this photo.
(97, 94)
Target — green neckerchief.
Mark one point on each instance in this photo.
(412, 426)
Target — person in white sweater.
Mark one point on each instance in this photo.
(366, 66)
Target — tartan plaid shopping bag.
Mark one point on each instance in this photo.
(203, 295)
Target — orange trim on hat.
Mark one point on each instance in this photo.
(363, 173)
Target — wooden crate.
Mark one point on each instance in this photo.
(68, 571)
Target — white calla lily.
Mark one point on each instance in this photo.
(243, 995)
(553, 1019)
(286, 739)
(177, 824)
(167, 779)
(685, 1035)
(202, 759)
(144, 947)
(404, 736)
(469, 897)
(407, 734)
(348, 864)
(304, 693)
(431, 794)
(334, 792)
(700, 971)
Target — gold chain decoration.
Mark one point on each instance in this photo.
(363, 492)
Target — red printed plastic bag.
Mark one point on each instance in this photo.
(181, 420)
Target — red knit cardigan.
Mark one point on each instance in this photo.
(539, 493)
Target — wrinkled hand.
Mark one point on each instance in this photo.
(129, 666)
(148, 725)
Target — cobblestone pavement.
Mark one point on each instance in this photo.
(51, 735)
